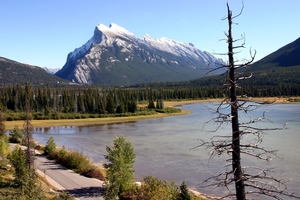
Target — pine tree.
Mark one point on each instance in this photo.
(18, 160)
(151, 104)
(184, 192)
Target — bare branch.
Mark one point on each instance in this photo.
(245, 138)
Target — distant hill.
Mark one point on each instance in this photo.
(286, 56)
(281, 67)
(12, 72)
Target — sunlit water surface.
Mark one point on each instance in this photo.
(164, 146)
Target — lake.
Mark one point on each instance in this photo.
(164, 146)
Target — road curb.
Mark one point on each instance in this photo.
(50, 180)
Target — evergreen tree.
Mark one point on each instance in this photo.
(25, 178)
(110, 104)
(151, 104)
(28, 129)
(18, 160)
(159, 104)
(120, 173)
(2, 125)
(132, 107)
(4, 147)
(184, 192)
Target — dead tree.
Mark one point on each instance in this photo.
(28, 129)
(239, 180)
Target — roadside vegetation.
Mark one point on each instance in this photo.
(18, 180)
(73, 160)
(120, 183)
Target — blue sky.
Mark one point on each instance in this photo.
(43, 32)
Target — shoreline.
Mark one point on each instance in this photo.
(111, 120)
(94, 121)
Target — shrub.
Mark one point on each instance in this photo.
(61, 156)
(15, 136)
(50, 147)
(77, 161)
(93, 173)
(153, 189)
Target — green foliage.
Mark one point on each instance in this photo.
(169, 110)
(61, 155)
(153, 189)
(15, 135)
(184, 192)
(120, 173)
(4, 147)
(18, 160)
(50, 147)
(64, 196)
(2, 125)
(9, 190)
(159, 104)
(70, 103)
(151, 104)
(76, 161)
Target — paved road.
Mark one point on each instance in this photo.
(66, 180)
(79, 186)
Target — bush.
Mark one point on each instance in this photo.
(15, 136)
(153, 189)
(50, 147)
(169, 110)
(77, 161)
(61, 156)
(93, 173)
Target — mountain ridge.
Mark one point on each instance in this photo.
(110, 56)
(288, 55)
(13, 72)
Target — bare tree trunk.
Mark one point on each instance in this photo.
(257, 180)
(236, 158)
(28, 128)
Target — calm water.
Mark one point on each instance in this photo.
(163, 146)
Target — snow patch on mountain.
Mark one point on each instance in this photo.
(114, 44)
(107, 36)
(51, 70)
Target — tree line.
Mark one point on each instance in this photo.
(117, 100)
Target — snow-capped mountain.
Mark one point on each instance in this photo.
(115, 56)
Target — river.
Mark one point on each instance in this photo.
(164, 146)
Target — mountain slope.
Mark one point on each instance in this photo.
(282, 67)
(286, 56)
(12, 72)
(115, 56)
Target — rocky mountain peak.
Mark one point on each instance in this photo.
(114, 52)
